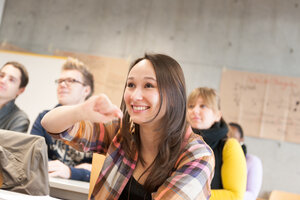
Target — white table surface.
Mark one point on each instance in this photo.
(9, 195)
(68, 189)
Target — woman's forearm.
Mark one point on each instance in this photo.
(61, 118)
(96, 109)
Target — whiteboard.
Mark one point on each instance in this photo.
(40, 93)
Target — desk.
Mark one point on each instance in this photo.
(9, 195)
(68, 189)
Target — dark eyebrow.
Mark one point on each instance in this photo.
(151, 78)
(147, 77)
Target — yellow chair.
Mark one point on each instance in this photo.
(97, 163)
(1, 179)
(281, 195)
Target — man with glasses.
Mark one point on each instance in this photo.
(13, 81)
(74, 86)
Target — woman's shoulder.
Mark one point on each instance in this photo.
(232, 143)
(194, 152)
(232, 148)
(197, 147)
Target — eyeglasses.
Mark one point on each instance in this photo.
(68, 81)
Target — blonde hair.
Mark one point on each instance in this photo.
(75, 64)
(209, 96)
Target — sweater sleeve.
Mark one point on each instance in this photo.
(254, 177)
(37, 128)
(80, 174)
(233, 173)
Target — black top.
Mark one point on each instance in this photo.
(215, 137)
(134, 191)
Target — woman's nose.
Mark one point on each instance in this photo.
(137, 94)
(196, 110)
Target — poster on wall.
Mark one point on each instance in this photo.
(109, 73)
(266, 106)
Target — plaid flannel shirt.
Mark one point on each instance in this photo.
(190, 179)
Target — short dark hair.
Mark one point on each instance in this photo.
(238, 127)
(75, 64)
(240, 130)
(24, 73)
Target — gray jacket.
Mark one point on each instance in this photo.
(24, 163)
(12, 118)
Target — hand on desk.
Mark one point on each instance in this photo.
(58, 169)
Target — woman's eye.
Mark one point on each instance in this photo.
(190, 106)
(202, 106)
(130, 85)
(148, 85)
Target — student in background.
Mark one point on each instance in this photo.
(13, 81)
(150, 153)
(205, 118)
(254, 164)
(74, 86)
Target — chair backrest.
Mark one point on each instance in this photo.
(1, 178)
(281, 195)
(24, 163)
(97, 163)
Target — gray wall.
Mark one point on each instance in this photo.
(203, 35)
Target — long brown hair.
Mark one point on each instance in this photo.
(171, 86)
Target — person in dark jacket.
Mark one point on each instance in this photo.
(13, 81)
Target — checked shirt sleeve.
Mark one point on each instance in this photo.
(88, 136)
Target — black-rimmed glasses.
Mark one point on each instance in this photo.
(68, 81)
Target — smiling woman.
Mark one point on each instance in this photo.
(150, 151)
(141, 95)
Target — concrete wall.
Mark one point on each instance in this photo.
(203, 35)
